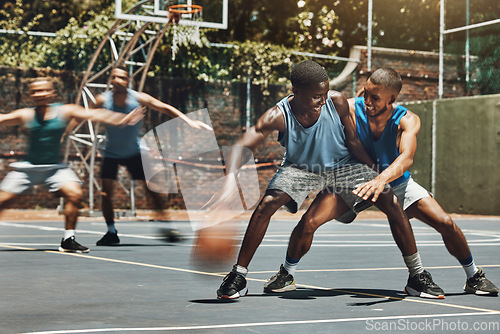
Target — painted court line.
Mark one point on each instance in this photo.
(424, 301)
(260, 324)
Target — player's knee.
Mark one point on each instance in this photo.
(267, 206)
(446, 225)
(308, 225)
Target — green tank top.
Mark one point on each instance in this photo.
(45, 138)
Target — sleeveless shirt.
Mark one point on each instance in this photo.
(318, 148)
(45, 138)
(122, 142)
(384, 150)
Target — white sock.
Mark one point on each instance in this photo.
(240, 270)
(414, 264)
(469, 266)
(291, 265)
(69, 234)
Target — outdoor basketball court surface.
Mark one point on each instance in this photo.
(350, 282)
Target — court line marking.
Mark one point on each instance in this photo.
(257, 324)
(254, 279)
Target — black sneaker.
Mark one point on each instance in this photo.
(70, 245)
(233, 286)
(480, 285)
(422, 285)
(280, 282)
(109, 239)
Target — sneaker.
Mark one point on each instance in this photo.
(422, 285)
(70, 245)
(280, 282)
(109, 239)
(480, 285)
(233, 286)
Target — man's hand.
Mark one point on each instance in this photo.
(198, 125)
(374, 187)
(133, 117)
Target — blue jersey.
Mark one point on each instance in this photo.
(384, 150)
(317, 148)
(122, 142)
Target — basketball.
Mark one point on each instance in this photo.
(214, 245)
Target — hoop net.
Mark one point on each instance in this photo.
(186, 34)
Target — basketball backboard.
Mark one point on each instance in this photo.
(214, 13)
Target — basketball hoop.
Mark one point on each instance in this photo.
(188, 33)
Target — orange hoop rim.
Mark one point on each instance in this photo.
(183, 9)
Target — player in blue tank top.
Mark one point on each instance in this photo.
(307, 121)
(389, 133)
(46, 124)
(122, 145)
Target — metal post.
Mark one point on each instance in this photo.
(248, 102)
(441, 51)
(369, 41)
(467, 48)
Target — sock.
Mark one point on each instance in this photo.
(111, 227)
(414, 264)
(291, 265)
(240, 270)
(469, 266)
(69, 234)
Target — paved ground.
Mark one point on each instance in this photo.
(350, 282)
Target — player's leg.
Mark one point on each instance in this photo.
(325, 207)
(420, 282)
(109, 171)
(289, 187)
(428, 210)
(64, 182)
(234, 284)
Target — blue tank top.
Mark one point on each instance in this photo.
(122, 142)
(384, 150)
(45, 138)
(317, 148)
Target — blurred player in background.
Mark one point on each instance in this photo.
(46, 124)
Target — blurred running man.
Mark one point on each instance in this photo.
(46, 124)
(122, 145)
(389, 133)
(311, 128)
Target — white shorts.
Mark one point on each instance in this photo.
(409, 192)
(25, 175)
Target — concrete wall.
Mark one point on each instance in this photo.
(467, 152)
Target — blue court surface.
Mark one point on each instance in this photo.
(351, 281)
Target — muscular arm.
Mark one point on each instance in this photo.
(151, 102)
(101, 115)
(16, 117)
(409, 127)
(271, 120)
(345, 109)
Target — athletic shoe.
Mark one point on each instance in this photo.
(280, 282)
(480, 285)
(422, 285)
(233, 286)
(70, 245)
(109, 239)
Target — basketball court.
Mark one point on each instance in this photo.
(350, 281)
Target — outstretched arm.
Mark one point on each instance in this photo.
(409, 127)
(103, 115)
(345, 109)
(151, 102)
(16, 117)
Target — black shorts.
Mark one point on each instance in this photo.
(109, 167)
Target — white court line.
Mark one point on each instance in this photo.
(260, 324)
(48, 228)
